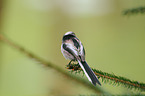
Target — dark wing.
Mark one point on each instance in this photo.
(79, 47)
(76, 43)
(82, 52)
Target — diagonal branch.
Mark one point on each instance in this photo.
(116, 80)
(51, 65)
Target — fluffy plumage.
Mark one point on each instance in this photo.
(73, 49)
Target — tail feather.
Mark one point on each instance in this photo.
(89, 73)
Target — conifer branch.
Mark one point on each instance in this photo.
(96, 89)
(106, 77)
(133, 11)
(111, 78)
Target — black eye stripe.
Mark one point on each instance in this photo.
(67, 37)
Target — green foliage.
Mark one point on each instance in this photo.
(132, 11)
(112, 78)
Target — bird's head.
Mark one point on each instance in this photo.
(69, 33)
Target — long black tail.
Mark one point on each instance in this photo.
(89, 73)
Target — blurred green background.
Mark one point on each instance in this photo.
(114, 43)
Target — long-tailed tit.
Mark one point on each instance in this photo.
(73, 50)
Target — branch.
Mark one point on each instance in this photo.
(51, 65)
(133, 11)
(112, 79)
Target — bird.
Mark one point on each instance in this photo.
(72, 49)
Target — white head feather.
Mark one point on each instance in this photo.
(70, 33)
